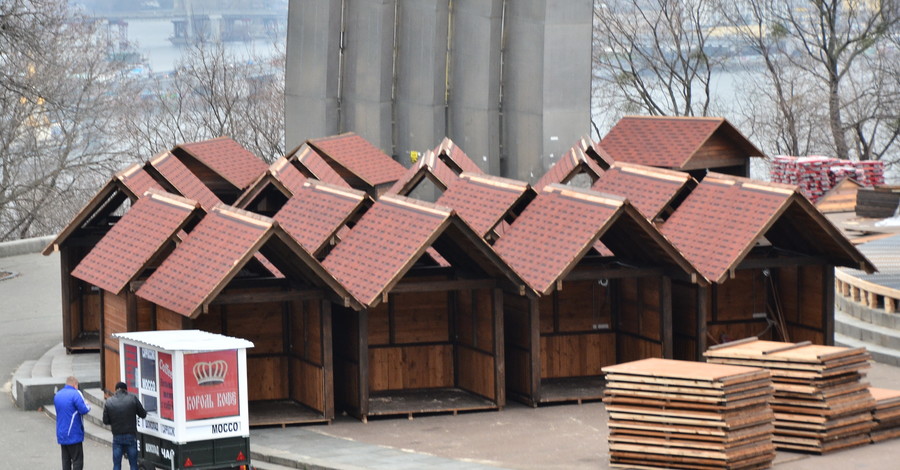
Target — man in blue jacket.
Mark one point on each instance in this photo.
(70, 407)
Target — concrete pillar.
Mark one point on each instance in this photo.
(546, 82)
(366, 103)
(474, 95)
(420, 100)
(312, 72)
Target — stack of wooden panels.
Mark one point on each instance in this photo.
(678, 414)
(821, 403)
(886, 414)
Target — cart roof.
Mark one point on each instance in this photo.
(185, 340)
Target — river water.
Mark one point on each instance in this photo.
(151, 38)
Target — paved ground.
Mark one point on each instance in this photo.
(555, 437)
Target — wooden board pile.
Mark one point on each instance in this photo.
(886, 414)
(821, 403)
(665, 413)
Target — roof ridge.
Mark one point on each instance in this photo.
(416, 205)
(160, 157)
(678, 118)
(652, 171)
(171, 199)
(128, 172)
(244, 215)
(767, 186)
(497, 181)
(585, 195)
(330, 188)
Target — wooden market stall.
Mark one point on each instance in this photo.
(362, 165)
(223, 165)
(770, 255)
(595, 309)
(686, 143)
(81, 302)
(208, 277)
(430, 337)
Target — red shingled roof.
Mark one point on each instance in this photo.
(129, 183)
(455, 158)
(288, 174)
(572, 163)
(383, 245)
(282, 175)
(203, 263)
(482, 200)
(560, 226)
(317, 211)
(312, 165)
(137, 238)
(138, 180)
(554, 232)
(650, 189)
(228, 159)
(595, 152)
(721, 220)
(428, 166)
(354, 157)
(668, 142)
(183, 180)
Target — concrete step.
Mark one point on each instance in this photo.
(24, 370)
(35, 382)
(261, 465)
(879, 353)
(44, 365)
(869, 315)
(866, 332)
(94, 396)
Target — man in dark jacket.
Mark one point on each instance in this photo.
(70, 407)
(120, 413)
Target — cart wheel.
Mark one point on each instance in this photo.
(145, 465)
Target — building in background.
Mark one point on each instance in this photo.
(508, 81)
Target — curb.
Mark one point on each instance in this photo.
(25, 246)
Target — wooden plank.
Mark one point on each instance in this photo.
(655, 367)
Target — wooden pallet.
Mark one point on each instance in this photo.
(679, 414)
(821, 403)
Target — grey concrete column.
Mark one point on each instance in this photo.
(312, 70)
(366, 106)
(474, 95)
(546, 82)
(420, 101)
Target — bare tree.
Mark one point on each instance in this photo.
(213, 93)
(656, 54)
(58, 98)
(838, 45)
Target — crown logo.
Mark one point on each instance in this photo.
(210, 373)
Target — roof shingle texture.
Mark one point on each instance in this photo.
(318, 167)
(482, 201)
(648, 189)
(658, 141)
(116, 259)
(184, 181)
(456, 154)
(139, 181)
(428, 164)
(204, 260)
(554, 231)
(384, 242)
(288, 174)
(360, 157)
(316, 212)
(572, 163)
(721, 220)
(228, 159)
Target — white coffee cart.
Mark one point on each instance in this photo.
(193, 385)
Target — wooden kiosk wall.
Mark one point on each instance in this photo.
(81, 304)
(733, 310)
(557, 345)
(290, 362)
(439, 350)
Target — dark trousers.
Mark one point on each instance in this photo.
(72, 456)
(124, 444)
